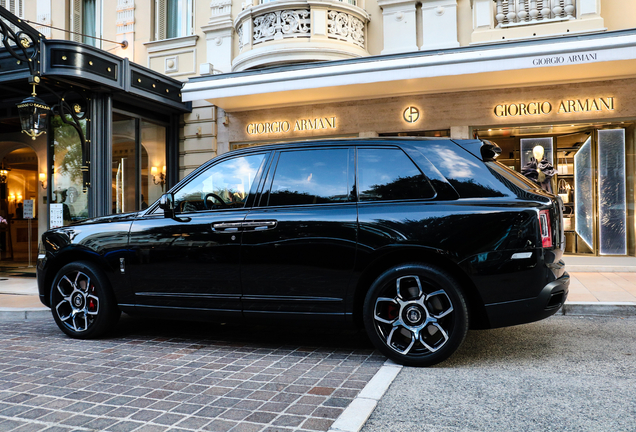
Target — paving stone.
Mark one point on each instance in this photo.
(153, 376)
(317, 424)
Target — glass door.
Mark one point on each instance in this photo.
(138, 163)
(592, 182)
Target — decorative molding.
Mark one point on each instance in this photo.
(172, 64)
(220, 8)
(169, 44)
(239, 31)
(282, 24)
(191, 71)
(346, 27)
(125, 16)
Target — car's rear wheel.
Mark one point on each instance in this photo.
(416, 314)
(82, 302)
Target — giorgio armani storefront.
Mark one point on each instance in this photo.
(100, 135)
(566, 124)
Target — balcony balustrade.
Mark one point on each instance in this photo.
(528, 12)
(287, 31)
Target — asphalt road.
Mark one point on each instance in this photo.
(560, 374)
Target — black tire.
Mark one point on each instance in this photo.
(416, 314)
(82, 302)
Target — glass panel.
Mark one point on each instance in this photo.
(584, 194)
(124, 162)
(611, 191)
(153, 163)
(224, 185)
(528, 145)
(311, 177)
(174, 10)
(88, 22)
(389, 174)
(467, 174)
(67, 176)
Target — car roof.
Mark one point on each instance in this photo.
(335, 142)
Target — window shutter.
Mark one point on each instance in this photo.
(12, 6)
(3, 3)
(76, 20)
(20, 11)
(161, 20)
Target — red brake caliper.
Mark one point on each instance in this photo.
(92, 306)
(392, 311)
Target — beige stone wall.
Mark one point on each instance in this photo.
(197, 141)
(619, 14)
(456, 111)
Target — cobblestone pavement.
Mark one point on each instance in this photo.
(157, 376)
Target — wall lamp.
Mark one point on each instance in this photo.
(162, 176)
(43, 180)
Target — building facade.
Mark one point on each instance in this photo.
(556, 73)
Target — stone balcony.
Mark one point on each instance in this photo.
(497, 20)
(289, 31)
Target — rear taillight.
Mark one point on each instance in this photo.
(546, 228)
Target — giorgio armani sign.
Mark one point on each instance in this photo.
(568, 106)
(286, 126)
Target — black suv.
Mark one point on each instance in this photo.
(415, 239)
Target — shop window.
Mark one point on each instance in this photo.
(389, 174)
(67, 179)
(311, 177)
(173, 18)
(86, 21)
(138, 163)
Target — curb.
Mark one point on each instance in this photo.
(616, 309)
(13, 314)
(359, 410)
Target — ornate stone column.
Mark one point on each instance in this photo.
(400, 30)
(439, 24)
(218, 36)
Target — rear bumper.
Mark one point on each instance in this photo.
(547, 303)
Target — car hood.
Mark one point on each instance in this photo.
(109, 218)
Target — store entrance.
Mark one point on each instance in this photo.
(590, 166)
(19, 210)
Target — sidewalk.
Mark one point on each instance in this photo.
(598, 286)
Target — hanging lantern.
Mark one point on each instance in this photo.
(33, 112)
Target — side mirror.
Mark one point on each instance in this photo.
(166, 203)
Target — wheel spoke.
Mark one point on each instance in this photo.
(440, 307)
(377, 312)
(389, 341)
(414, 291)
(57, 309)
(59, 286)
(443, 333)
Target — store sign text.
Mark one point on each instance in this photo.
(545, 107)
(559, 60)
(295, 126)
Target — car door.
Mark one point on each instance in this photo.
(299, 244)
(191, 260)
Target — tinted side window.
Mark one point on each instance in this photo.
(311, 177)
(469, 176)
(389, 174)
(224, 185)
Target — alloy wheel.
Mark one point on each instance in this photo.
(413, 317)
(77, 304)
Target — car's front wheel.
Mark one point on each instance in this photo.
(82, 303)
(416, 314)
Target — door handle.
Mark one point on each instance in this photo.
(259, 225)
(226, 226)
(247, 225)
